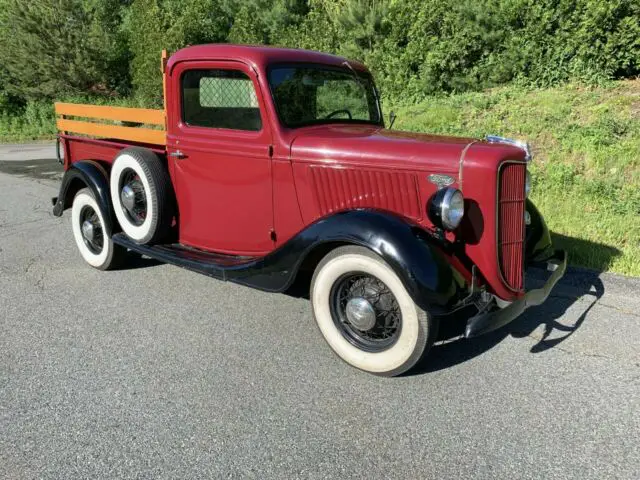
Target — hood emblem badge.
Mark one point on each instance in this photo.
(440, 180)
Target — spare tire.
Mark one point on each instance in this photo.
(142, 195)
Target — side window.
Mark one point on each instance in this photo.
(220, 99)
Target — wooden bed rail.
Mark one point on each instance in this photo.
(144, 116)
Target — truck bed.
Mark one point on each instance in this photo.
(78, 148)
(95, 132)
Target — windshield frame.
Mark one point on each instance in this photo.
(362, 75)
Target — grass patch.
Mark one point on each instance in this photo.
(37, 121)
(586, 171)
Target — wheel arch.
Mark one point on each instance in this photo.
(407, 248)
(85, 174)
(301, 281)
(538, 244)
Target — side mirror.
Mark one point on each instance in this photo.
(392, 119)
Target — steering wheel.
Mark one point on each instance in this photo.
(340, 111)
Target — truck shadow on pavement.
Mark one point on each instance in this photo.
(557, 323)
(39, 169)
(135, 261)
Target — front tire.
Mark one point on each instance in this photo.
(91, 234)
(366, 314)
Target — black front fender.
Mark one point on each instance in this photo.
(407, 248)
(86, 173)
(538, 245)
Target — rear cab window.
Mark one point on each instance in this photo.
(218, 98)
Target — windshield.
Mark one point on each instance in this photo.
(314, 94)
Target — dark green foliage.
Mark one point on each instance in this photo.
(154, 25)
(451, 45)
(263, 21)
(53, 47)
(415, 47)
(110, 18)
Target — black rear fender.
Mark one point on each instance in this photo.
(85, 174)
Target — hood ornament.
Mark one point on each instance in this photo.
(440, 180)
(521, 144)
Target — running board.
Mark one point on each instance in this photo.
(239, 269)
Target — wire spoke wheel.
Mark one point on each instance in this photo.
(91, 228)
(142, 195)
(92, 234)
(366, 312)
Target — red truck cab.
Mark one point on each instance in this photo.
(270, 167)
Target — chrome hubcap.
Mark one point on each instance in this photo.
(91, 230)
(133, 197)
(365, 311)
(360, 314)
(128, 197)
(88, 231)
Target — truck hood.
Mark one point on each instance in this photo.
(378, 147)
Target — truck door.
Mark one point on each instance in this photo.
(218, 144)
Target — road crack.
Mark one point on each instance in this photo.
(598, 302)
(581, 353)
(31, 270)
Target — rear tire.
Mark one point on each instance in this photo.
(366, 314)
(91, 234)
(142, 196)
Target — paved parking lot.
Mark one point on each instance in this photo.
(156, 372)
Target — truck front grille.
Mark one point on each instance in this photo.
(511, 234)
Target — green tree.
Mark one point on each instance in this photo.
(437, 46)
(154, 25)
(108, 17)
(51, 48)
(318, 29)
(264, 21)
(56, 48)
(364, 20)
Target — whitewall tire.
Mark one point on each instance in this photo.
(141, 195)
(366, 314)
(91, 234)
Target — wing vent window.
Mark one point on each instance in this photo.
(220, 99)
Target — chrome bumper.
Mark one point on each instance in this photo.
(487, 322)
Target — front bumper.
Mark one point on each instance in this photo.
(487, 322)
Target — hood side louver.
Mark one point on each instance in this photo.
(338, 189)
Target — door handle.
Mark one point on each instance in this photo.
(177, 154)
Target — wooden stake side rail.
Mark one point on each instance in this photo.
(124, 114)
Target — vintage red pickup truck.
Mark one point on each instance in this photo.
(270, 167)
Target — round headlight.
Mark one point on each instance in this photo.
(447, 208)
(527, 183)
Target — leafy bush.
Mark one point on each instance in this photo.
(451, 46)
(35, 120)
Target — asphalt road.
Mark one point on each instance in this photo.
(156, 372)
